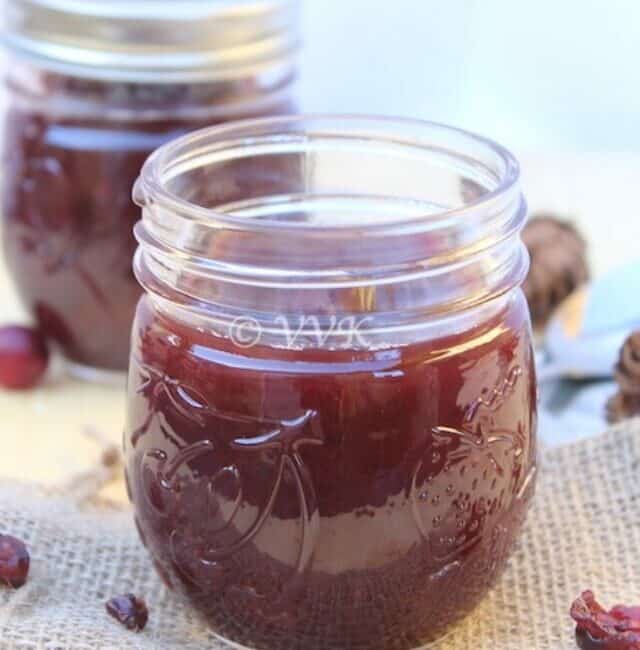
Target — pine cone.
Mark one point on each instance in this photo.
(622, 406)
(627, 370)
(558, 263)
(626, 402)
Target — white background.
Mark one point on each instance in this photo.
(543, 75)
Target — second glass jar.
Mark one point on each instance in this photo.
(92, 91)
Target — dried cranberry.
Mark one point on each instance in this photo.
(23, 357)
(586, 642)
(14, 562)
(618, 629)
(132, 612)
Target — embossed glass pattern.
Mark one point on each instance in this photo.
(331, 422)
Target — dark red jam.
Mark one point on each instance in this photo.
(68, 172)
(319, 499)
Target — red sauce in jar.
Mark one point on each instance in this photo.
(67, 208)
(331, 498)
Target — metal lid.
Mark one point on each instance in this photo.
(155, 40)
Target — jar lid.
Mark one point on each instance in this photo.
(155, 40)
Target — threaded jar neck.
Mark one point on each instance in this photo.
(156, 41)
(400, 220)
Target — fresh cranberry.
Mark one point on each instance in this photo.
(23, 357)
(130, 611)
(14, 562)
(597, 629)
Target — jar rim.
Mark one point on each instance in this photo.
(150, 181)
(258, 239)
(158, 41)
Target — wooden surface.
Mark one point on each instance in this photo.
(43, 433)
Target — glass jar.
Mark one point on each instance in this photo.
(94, 88)
(332, 398)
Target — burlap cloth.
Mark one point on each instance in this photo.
(583, 531)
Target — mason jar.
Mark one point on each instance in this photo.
(93, 89)
(331, 437)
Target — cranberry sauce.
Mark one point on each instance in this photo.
(67, 208)
(331, 498)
